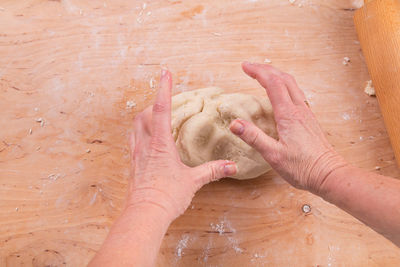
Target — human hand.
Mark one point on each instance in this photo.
(302, 156)
(159, 177)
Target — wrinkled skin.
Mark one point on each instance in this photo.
(302, 156)
(159, 176)
(162, 186)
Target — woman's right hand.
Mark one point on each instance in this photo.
(302, 155)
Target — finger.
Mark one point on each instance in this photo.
(270, 79)
(296, 94)
(254, 137)
(147, 119)
(142, 135)
(213, 170)
(162, 106)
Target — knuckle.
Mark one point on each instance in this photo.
(262, 72)
(275, 79)
(213, 171)
(297, 114)
(254, 138)
(159, 107)
(159, 144)
(275, 158)
(287, 76)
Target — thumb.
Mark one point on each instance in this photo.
(213, 170)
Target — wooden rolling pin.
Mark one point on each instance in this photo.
(378, 28)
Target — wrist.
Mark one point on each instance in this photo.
(333, 179)
(323, 172)
(153, 216)
(152, 199)
(336, 181)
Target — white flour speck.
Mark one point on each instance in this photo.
(182, 244)
(224, 226)
(369, 88)
(235, 245)
(219, 227)
(130, 104)
(346, 61)
(54, 176)
(152, 83)
(257, 256)
(346, 116)
(268, 61)
(93, 199)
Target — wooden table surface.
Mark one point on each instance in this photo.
(68, 69)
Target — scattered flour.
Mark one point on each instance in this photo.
(219, 227)
(267, 61)
(206, 251)
(41, 121)
(257, 256)
(130, 104)
(358, 3)
(182, 244)
(235, 245)
(369, 88)
(152, 83)
(224, 226)
(346, 61)
(93, 198)
(346, 116)
(54, 176)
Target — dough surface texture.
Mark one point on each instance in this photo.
(200, 128)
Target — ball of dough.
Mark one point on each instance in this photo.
(200, 127)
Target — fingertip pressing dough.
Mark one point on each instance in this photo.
(200, 128)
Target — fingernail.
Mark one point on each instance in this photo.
(236, 127)
(230, 169)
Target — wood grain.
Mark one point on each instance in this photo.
(378, 25)
(75, 64)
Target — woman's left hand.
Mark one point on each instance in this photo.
(159, 177)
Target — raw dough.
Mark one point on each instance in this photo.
(200, 127)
